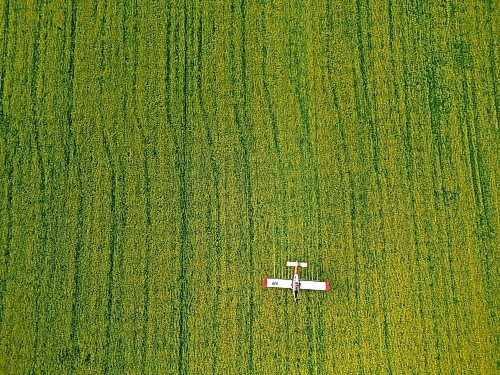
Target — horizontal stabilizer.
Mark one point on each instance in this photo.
(295, 264)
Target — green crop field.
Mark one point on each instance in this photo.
(159, 159)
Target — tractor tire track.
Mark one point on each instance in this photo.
(438, 100)
(492, 59)
(486, 221)
(77, 257)
(355, 213)
(72, 152)
(6, 128)
(435, 103)
(309, 163)
(182, 156)
(69, 141)
(445, 203)
(107, 360)
(3, 65)
(40, 255)
(215, 172)
(11, 142)
(11, 35)
(244, 133)
(180, 165)
(375, 145)
(146, 188)
(111, 257)
(277, 147)
(349, 197)
(245, 139)
(484, 225)
(410, 173)
(147, 267)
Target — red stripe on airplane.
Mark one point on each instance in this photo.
(265, 282)
(327, 286)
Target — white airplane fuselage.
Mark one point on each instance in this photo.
(296, 284)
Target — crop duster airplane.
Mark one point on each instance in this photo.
(295, 284)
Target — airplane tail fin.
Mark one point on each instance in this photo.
(295, 264)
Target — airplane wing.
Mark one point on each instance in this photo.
(315, 285)
(278, 283)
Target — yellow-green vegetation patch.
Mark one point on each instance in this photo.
(159, 159)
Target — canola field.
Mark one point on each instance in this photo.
(158, 159)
